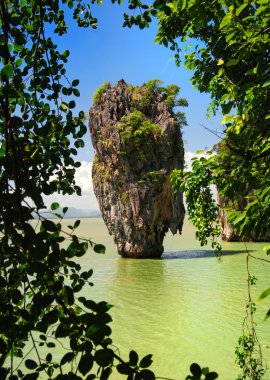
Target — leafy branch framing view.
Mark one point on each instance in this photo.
(40, 279)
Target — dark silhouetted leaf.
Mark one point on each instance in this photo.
(68, 357)
(99, 248)
(30, 364)
(146, 361)
(85, 363)
(104, 357)
(124, 369)
(68, 296)
(196, 370)
(147, 374)
(31, 376)
(211, 376)
(133, 358)
(105, 373)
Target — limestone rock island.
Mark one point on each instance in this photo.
(137, 142)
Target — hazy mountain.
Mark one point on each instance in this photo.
(72, 212)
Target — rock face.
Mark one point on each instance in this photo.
(137, 143)
(227, 231)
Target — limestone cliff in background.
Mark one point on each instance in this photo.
(227, 231)
(137, 142)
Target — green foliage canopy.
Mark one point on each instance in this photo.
(40, 278)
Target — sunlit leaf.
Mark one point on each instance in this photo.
(54, 206)
(264, 294)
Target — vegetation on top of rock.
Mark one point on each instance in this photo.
(143, 96)
(136, 129)
(97, 97)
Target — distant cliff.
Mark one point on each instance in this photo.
(137, 142)
(227, 231)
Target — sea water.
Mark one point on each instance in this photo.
(186, 307)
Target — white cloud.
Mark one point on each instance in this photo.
(83, 177)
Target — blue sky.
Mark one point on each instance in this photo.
(111, 53)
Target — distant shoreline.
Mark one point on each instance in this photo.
(71, 213)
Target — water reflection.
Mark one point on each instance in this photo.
(198, 254)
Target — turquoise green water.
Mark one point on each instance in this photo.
(182, 308)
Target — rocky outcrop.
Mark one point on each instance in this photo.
(137, 143)
(227, 231)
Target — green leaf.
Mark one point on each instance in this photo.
(91, 377)
(224, 98)
(49, 225)
(146, 361)
(85, 363)
(79, 143)
(267, 249)
(63, 106)
(196, 370)
(40, 251)
(30, 364)
(267, 315)
(7, 71)
(68, 296)
(264, 294)
(183, 5)
(211, 376)
(124, 369)
(18, 62)
(104, 357)
(133, 358)
(31, 376)
(42, 300)
(99, 248)
(238, 220)
(54, 206)
(147, 374)
(226, 20)
(227, 119)
(75, 82)
(240, 9)
(105, 373)
(76, 224)
(3, 149)
(232, 62)
(71, 104)
(76, 92)
(68, 357)
(266, 83)
(50, 344)
(50, 318)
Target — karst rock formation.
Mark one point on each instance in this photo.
(137, 143)
(227, 231)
